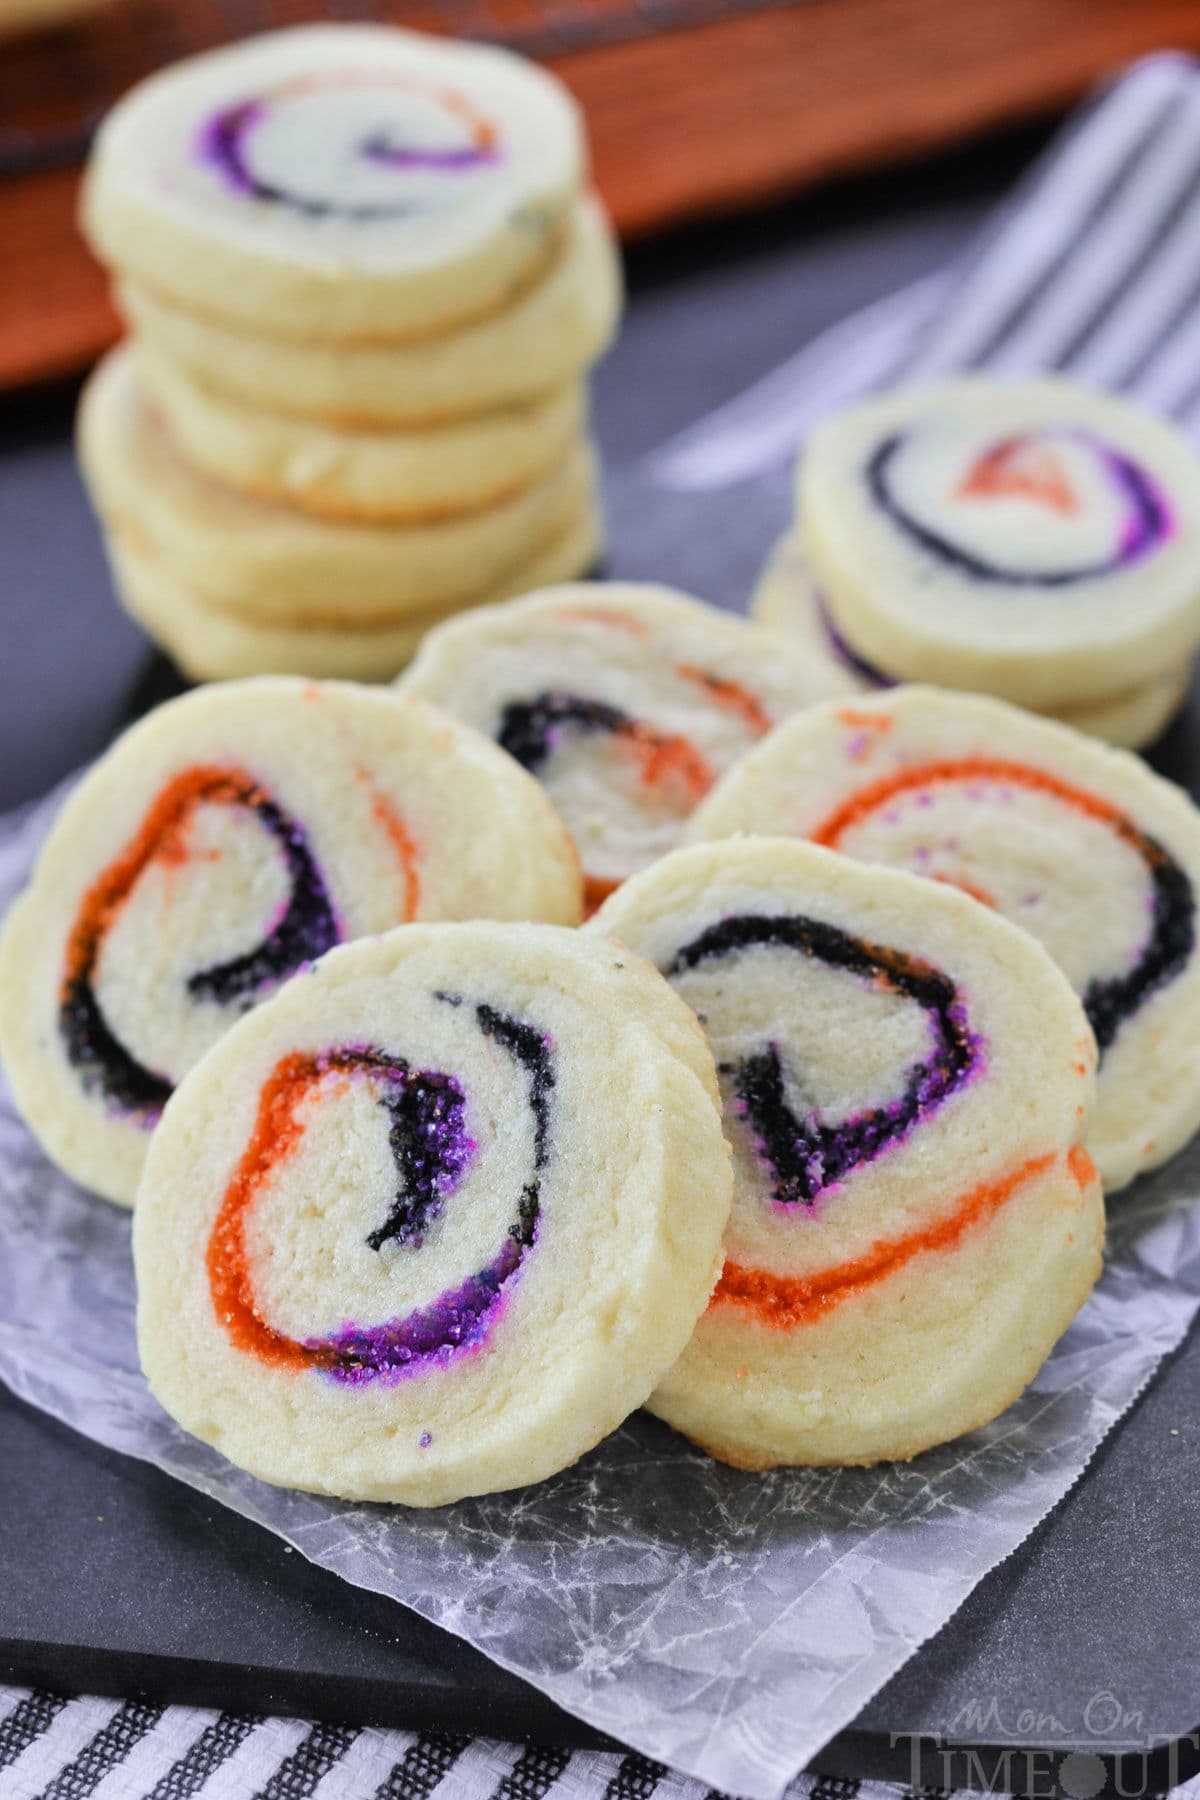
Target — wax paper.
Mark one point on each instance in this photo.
(727, 1624)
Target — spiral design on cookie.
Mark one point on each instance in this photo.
(787, 1302)
(388, 145)
(1097, 510)
(306, 927)
(530, 730)
(805, 1156)
(668, 764)
(1109, 1001)
(431, 1151)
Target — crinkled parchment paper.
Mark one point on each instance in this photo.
(727, 1624)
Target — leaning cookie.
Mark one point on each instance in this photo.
(627, 702)
(275, 565)
(1080, 845)
(906, 1079)
(545, 339)
(435, 1219)
(391, 476)
(341, 181)
(228, 840)
(789, 601)
(1031, 539)
(211, 644)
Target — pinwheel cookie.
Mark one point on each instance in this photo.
(789, 601)
(1031, 540)
(225, 842)
(210, 643)
(626, 701)
(276, 565)
(345, 182)
(906, 1080)
(544, 339)
(435, 1219)
(380, 477)
(1080, 845)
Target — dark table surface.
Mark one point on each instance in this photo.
(1101, 1599)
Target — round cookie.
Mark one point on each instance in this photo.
(210, 644)
(347, 182)
(1031, 539)
(544, 339)
(433, 1221)
(1082, 846)
(226, 841)
(391, 477)
(906, 1077)
(626, 701)
(787, 600)
(272, 564)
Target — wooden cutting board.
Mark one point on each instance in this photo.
(694, 106)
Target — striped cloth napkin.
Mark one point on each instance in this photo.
(1092, 268)
(57, 1749)
(53, 1748)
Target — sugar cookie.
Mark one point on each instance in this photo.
(1082, 846)
(906, 1077)
(545, 338)
(273, 564)
(626, 701)
(788, 601)
(392, 476)
(1029, 539)
(210, 644)
(224, 842)
(436, 1218)
(343, 181)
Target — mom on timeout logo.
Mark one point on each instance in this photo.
(1104, 1754)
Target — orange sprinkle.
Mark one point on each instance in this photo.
(787, 1301)
(162, 833)
(664, 756)
(405, 846)
(277, 1132)
(1081, 1166)
(597, 615)
(966, 886)
(866, 800)
(865, 721)
(1011, 467)
(731, 695)
(596, 889)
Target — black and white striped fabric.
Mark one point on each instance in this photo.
(1092, 268)
(53, 1748)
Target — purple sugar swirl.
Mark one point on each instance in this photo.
(1147, 525)
(804, 1156)
(225, 142)
(431, 1152)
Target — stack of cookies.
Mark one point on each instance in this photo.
(1031, 540)
(364, 280)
